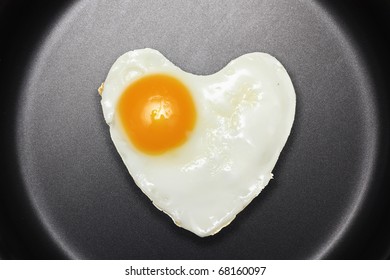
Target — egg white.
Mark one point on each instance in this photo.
(244, 116)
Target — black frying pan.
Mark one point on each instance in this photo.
(65, 192)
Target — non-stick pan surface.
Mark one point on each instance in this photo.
(65, 192)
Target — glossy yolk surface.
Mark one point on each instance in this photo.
(157, 113)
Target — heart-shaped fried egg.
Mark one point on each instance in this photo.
(200, 147)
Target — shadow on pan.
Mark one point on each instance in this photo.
(65, 192)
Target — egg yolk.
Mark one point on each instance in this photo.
(157, 113)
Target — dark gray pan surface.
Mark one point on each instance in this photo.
(66, 193)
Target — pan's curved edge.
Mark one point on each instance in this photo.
(358, 241)
(21, 234)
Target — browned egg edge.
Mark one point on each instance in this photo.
(100, 89)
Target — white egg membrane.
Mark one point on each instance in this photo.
(244, 116)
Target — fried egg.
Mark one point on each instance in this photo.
(200, 147)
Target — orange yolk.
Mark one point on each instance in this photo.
(157, 113)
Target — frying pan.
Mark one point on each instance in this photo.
(65, 192)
